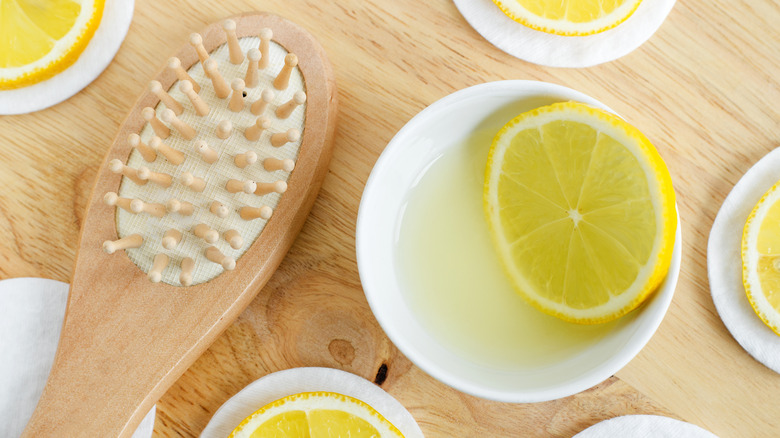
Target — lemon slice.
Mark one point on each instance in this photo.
(40, 38)
(761, 258)
(581, 210)
(316, 415)
(569, 17)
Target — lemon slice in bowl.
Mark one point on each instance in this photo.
(40, 38)
(316, 415)
(761, 258)
(581, 211)
(569, 17)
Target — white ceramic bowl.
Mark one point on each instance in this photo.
(444, 125)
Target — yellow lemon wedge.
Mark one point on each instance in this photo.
(581, 210)
(569, 17)
(761, 258)
(316, 415)
(40, 38)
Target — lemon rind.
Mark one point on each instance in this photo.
(761, 306)
(666, 218)
(563, 27)
(47, 66)
(317, 400)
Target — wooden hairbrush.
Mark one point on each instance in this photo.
(201, 195)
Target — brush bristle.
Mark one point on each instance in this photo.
(216, 188)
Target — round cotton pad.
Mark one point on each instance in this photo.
(564, 51)
(117, 16)
(283, 383)
(724, 263)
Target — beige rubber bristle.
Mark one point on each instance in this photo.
(235, 186)
(112, 199)
(250, 213)
(205, 232)
(288, 107)
(233, 238)
(283, 78)
(206, 153)
(171, 238)
(187, 268)
(172, 104)
(282, 138)
(274, 164)
(186, 131)
(236, 55)
(236, 103)
(196, 41)
(184, 208)
(158, 266)
(148, 154)
(253, 132)
(172, 155)
(224, 129)
(192, 182)
(200, 106)
(219, 209)
(117, 166)
(259, 106)
(129, 242)
(252, 73)
(265, 46)
(216, 256)
(274, 187)
(246, 159)
(174, 64)
(159, 178)
(138, 206)
(159, 128)
(221, 87)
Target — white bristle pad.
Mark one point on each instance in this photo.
(216, 174)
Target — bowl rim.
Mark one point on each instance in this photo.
(653, 311)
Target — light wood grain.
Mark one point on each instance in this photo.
(703, 89)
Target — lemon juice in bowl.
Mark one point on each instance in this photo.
(436, 274)
(454, 279)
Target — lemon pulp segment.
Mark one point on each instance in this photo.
(581, 210)
(40, 38)
(761, 258)
(569, 17)
(316, 415)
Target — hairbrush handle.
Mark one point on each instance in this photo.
(125, 340)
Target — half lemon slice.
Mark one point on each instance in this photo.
(40, 38)
(316, 415)
(761, 258)
(569, 17)
(581, 210)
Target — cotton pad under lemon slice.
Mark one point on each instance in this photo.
(581, 210)
(40, 38)
(761, 258)
(569, 17)
(316, 415)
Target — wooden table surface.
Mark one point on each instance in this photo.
(704, 89)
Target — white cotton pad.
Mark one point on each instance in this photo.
(312, 379)
(724, 263)
(551, 50)
(644, 426)
(117, 15)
